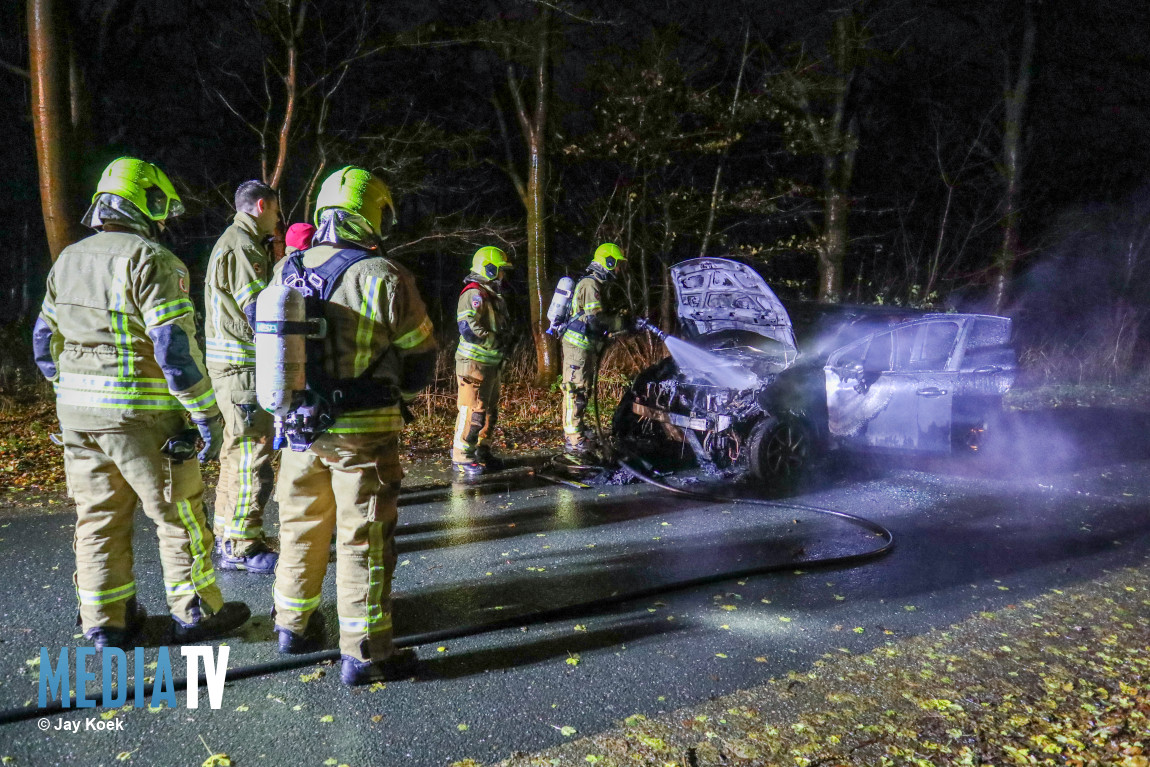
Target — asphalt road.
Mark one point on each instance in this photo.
(1071, 500)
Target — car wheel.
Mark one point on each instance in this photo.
(781, 450)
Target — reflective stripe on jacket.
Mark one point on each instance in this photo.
(590, 320)
(237, 271)
(121, 334)
(481, 313)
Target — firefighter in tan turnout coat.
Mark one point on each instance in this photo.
(484, 337)
(239, 268)
(379, 351)
(116, 338)
(594, 315)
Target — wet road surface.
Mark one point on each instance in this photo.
(968, 538)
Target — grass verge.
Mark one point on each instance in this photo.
(1063, 679)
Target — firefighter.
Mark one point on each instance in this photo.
(239, 268)
(594, 314)
(298, 238)
(484, 337)
(116, 337)
(380, 340)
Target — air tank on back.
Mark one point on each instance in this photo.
(281, 351)
(560, 308)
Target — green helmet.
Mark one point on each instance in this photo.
(488, 261)
(356, 190)
(144, 185)
(609, 256)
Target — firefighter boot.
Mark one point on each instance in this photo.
(259, 558)
(469, 470)
(402, 664)
(311, 640)
(123, 638)
(230, 617)
(490, 461)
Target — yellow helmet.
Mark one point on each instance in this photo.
(356, 190)
(609, 256)
(489, 260)
(144, 185)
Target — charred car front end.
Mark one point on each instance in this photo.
(738, 394)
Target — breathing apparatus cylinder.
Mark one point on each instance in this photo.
(560, 308)
(281, 352)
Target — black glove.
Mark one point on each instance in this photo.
(212, 433)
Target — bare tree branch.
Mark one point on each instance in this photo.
(15, 70)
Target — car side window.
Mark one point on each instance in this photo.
(988, 344)
(923, 347)
(904, 339)
(987, 334)
(878, 354)
(936, 345)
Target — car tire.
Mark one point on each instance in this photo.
(781, 451)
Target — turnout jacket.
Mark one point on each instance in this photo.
(238, 270)
(116, 335)
(593, 313)
(484, 325)
(377, 327)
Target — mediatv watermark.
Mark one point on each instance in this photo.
(56, 680)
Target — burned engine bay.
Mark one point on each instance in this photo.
(709, 394)
(708, 410)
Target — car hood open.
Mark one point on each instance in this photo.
(716, 294)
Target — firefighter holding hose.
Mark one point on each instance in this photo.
(595, 313)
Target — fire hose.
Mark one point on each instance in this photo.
(581, 609)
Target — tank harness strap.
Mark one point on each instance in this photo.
(471, 285)
(345, 394)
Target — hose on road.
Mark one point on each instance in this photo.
(581, 609)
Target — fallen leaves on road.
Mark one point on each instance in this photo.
(1071, 687)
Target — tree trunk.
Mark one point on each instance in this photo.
(295, 28)
(52, 119)
(840, 142)
(533, 125)
(832, 250)
(667, 305)
(710, 227)
(1016, 87)
(538, 284)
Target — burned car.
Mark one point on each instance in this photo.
(739, 393)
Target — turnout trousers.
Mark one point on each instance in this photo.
(577, 382)
(108, 473)
(247, 470)
(349, 484)
(478, 401)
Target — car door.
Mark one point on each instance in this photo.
(895, 390)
